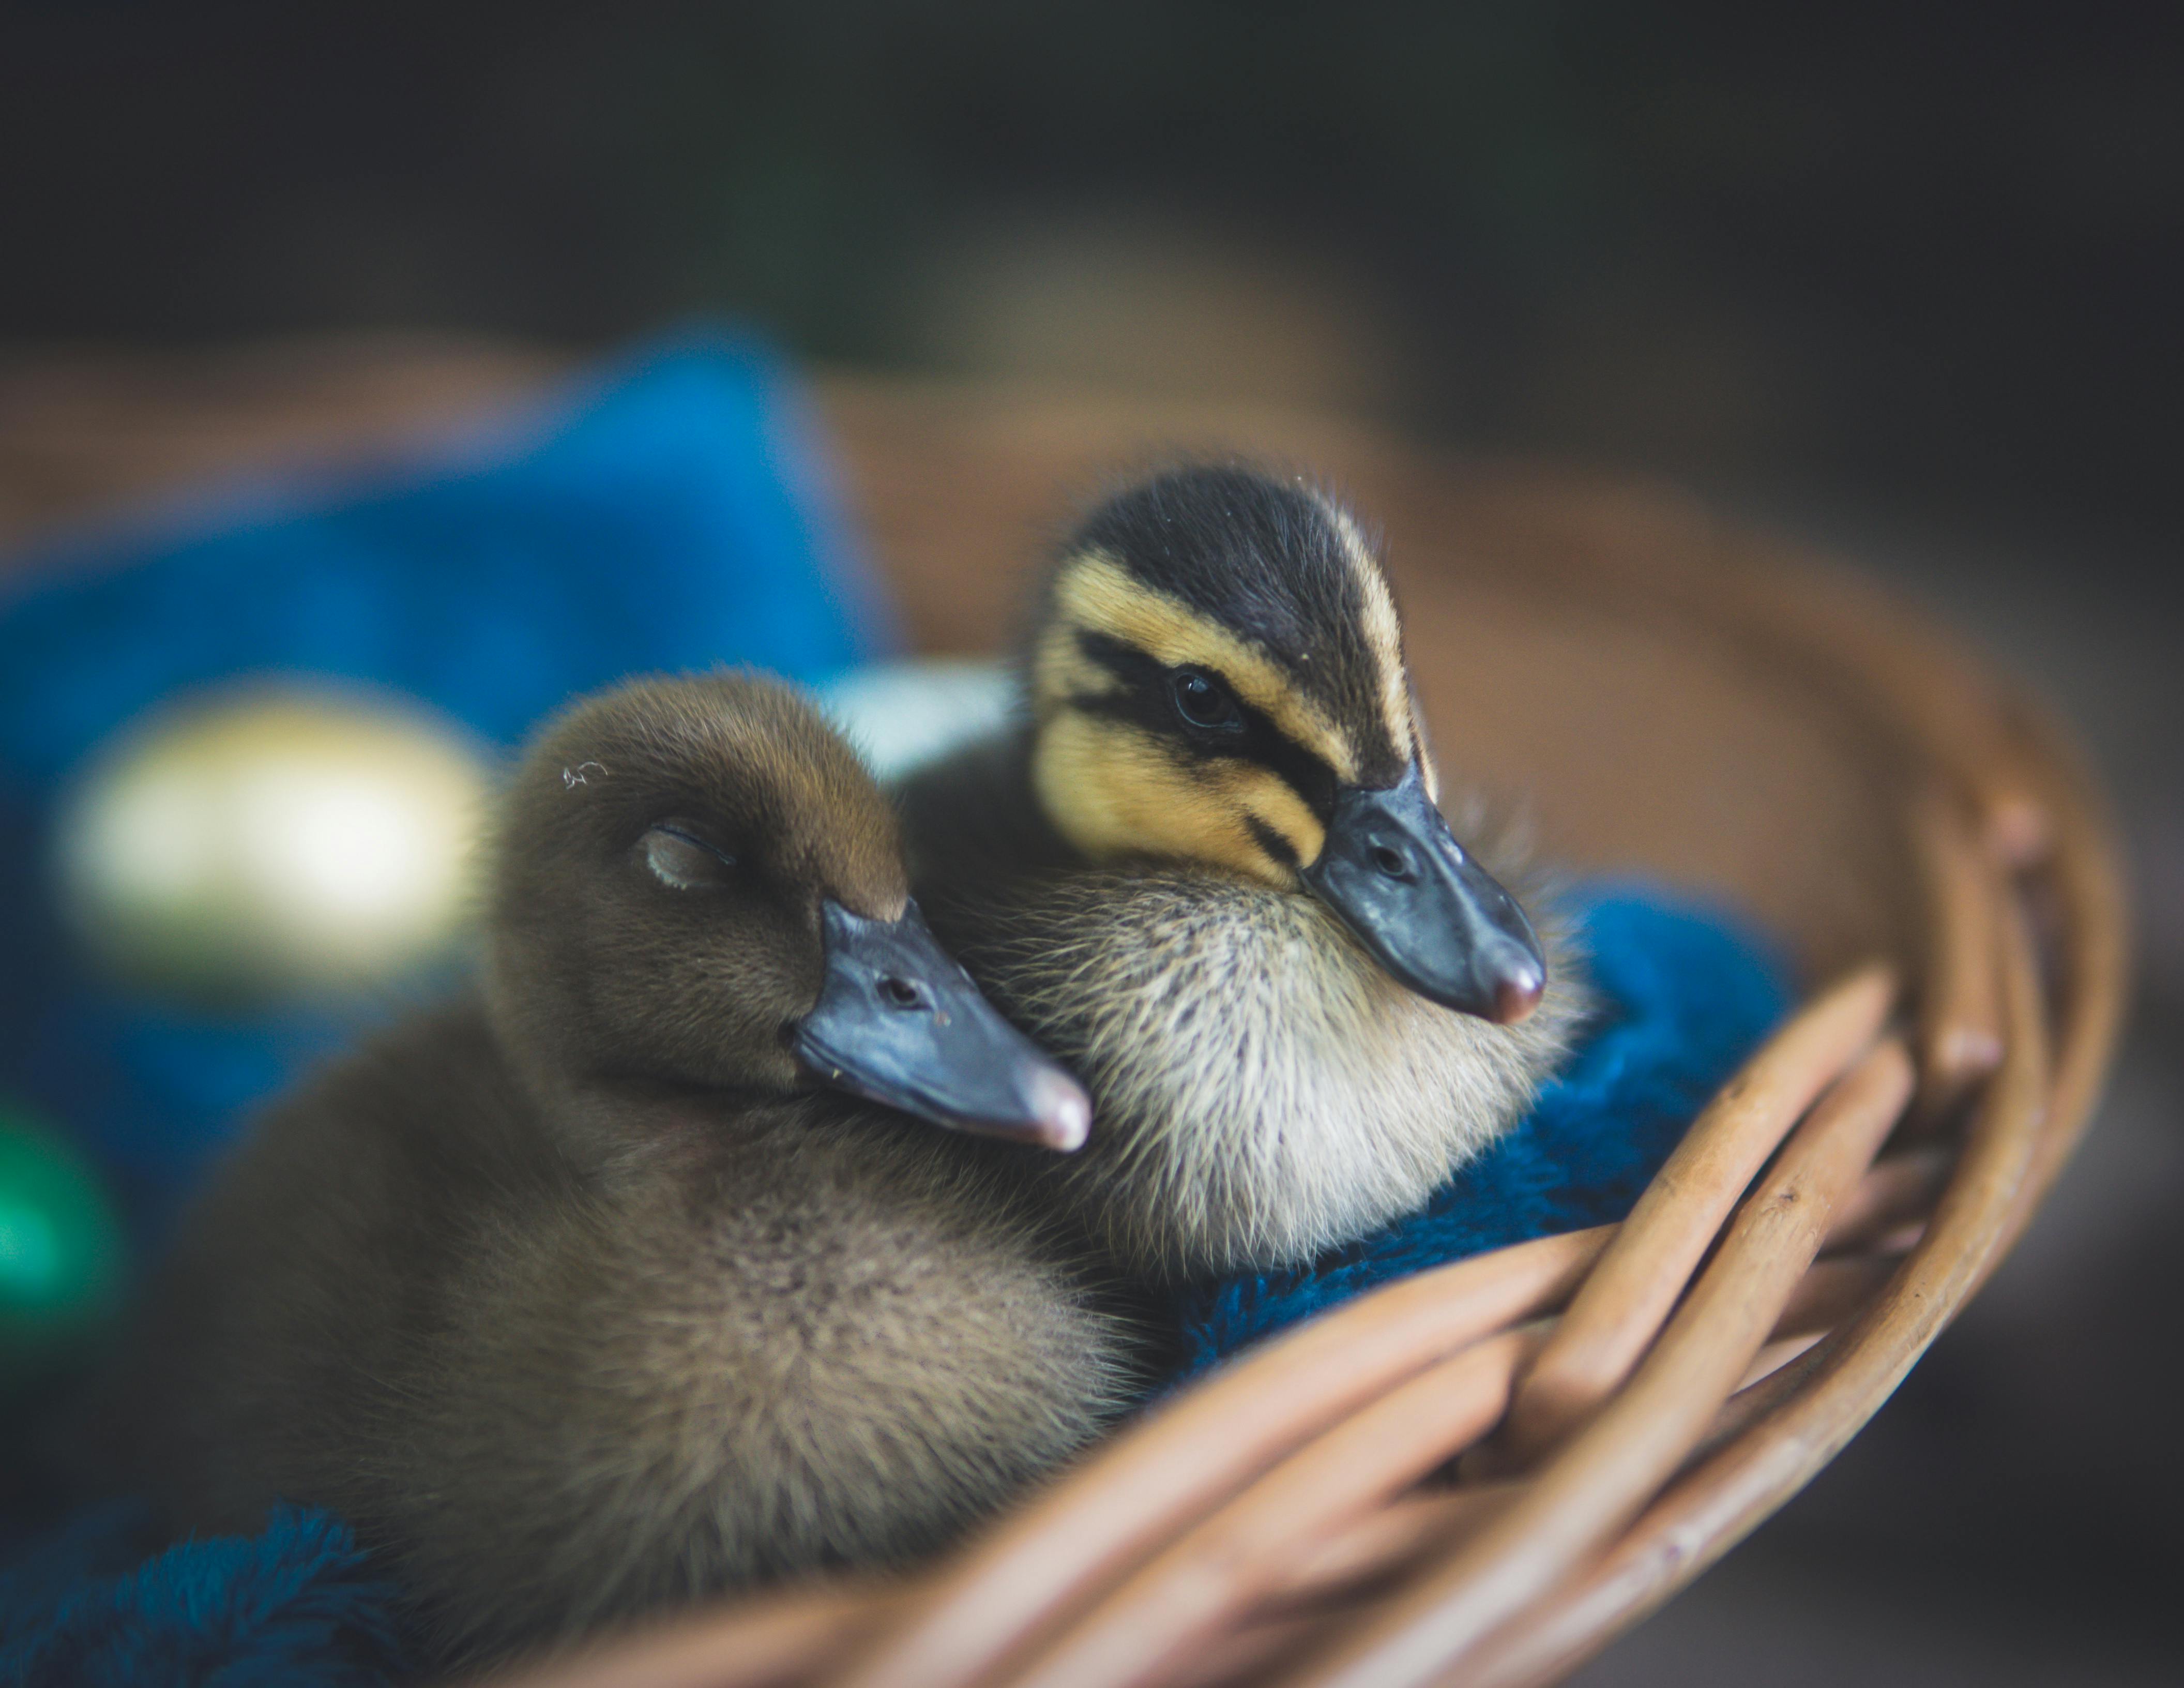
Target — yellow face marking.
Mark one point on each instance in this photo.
(1113, 790)
(1384, 629)
(1095, 594)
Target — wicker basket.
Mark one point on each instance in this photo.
(1481, 1474)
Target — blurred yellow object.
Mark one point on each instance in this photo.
(273, 842)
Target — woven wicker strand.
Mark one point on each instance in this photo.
(1393, 1538)
(1960, 1029)
(794, 1636)
(1717, 1504)
(1697, 1521)
(2091, 958)
(1596, 1484)
(1229, 1561)
(1639, 1276)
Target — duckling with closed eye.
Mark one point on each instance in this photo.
(613, 1287)
(1208, 869)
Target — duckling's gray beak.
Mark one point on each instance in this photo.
(898, 1022)
(1433, 917)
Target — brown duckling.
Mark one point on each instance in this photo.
(1207, 868)
(609, 1288)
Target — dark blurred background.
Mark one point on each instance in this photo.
(1906, 279)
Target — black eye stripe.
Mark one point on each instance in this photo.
(1274, 842)
(1145, 700)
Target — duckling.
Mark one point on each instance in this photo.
(614, 1284)
(1207, 868)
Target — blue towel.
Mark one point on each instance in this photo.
(295, 1607)
(671, 514)
(1687, 995)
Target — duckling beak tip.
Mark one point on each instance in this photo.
(1062, 1110)
(1515, 999)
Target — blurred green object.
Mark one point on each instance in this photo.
(63, 1260)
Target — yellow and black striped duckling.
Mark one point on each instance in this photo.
(1208, 870)
(607, 1290)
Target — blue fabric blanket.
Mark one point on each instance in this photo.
(1685, 995)
(295, 1607)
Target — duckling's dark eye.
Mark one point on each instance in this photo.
(684, 861)
(1204, 702)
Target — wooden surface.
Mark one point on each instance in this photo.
(1664, 695)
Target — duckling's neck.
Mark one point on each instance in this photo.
(604, 1122)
